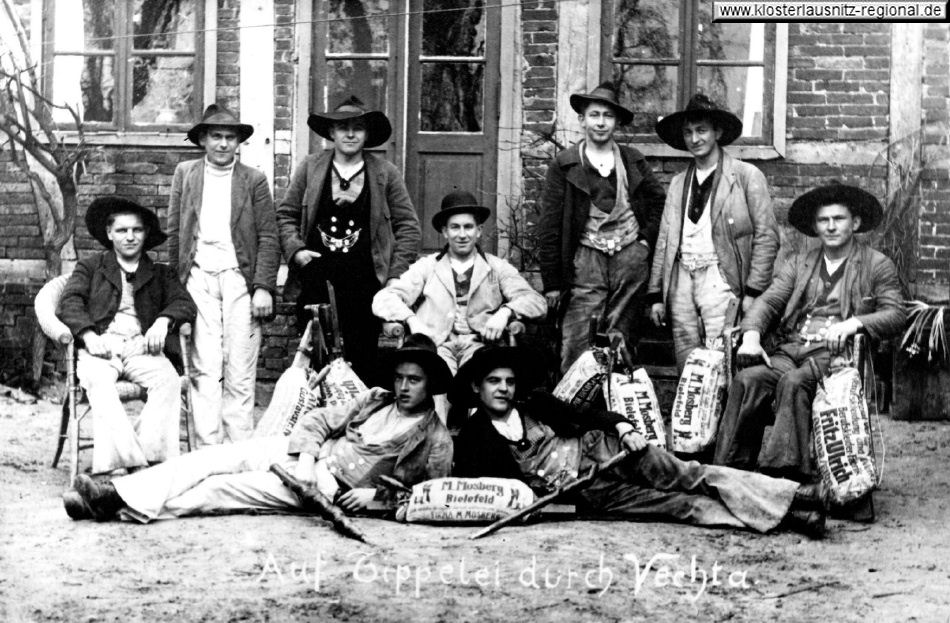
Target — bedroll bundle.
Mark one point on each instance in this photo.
(583, 382)
(296, 392)
(842, 430)
(341, 384)
(698, 403)
(634, 397)
(465, 500)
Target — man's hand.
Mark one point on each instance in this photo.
(304, 472)
(305, 256)
(417, 326)
(356, 499)
(553, 298)
(156, 334)
(751, 351)
(496, 324)
(747, 303)
(96, 346)
(838, 334)
(658, 314)
(262, 303)
(633, 441)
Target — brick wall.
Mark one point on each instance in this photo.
(227, 89)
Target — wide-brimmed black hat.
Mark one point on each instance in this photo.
(525, 365)
(459, 202)
(420, 349)
(670, 127)
(98, 213)
(861, 203)
(219, 116)
(603, 94)
(378, 128)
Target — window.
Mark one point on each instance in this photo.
(660, 53)
(125, 65)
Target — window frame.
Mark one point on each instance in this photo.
(122, 131)
(772, 144)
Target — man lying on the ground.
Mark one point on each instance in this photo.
(820, 298)
(342, 451)
(546, 442)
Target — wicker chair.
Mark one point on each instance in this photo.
(75, 405)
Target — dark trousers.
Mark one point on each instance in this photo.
(780, 396)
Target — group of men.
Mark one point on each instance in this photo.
(607, 231)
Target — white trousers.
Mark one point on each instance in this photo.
(698, 305)
(215, 479)
(226, 345)
(116, 442)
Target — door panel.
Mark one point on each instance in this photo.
(440, 174)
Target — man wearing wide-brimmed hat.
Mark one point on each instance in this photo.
(820, 297)
(347, 219)
(600, 211)
(222, 240)
(545, 442)
(121, 307)
(468, 297)
(342, 450)
(718, 237)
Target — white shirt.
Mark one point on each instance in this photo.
(214, 251)
(510, 428)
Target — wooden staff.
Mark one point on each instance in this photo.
(312, 500)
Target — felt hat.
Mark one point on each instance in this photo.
(670, 128)
(459, 202)
(861, 203)
(420, 349)
(378, 128)
(219, 116)
(603, 94)
(525, 366)
(100, 209)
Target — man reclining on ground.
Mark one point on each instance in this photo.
(343, 451)
(546, 442)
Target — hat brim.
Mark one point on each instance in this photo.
(98, 213)
(579, 102)
(481, 214)
(670, 128)
(378, 128)
(439, 376)
(861, 203)
(527, 376)
(244, 131)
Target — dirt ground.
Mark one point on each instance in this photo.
(294, 568)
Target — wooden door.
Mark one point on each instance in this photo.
(452, 106)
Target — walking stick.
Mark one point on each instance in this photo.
(312, 500)
(574, 485)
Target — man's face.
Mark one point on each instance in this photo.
(463, 232)
(127, 233)
(410, 385)
(835, 225)
(348, 137)
(496, 392)
(701, 137)
(599, 122)
(220, 144)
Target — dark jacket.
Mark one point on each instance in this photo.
(480, 450)
(565, 206)
(253, 224)
(871, 293)
(91, 297)
(395, 235)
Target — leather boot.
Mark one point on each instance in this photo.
(76, 507)
(100, 497)
(809, 523)
(812, 497)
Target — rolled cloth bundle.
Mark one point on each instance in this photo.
(698, 403)
(582, 384)
(635, 398)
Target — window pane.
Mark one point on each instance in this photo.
(648, 90)
(453, 28)
(357, 26)
(733, 42)
(164, 24)
(364, 79)
(451, 98)
(97, 17)
(646, 29)
(162, 89)
(741, 90)
(86, 83)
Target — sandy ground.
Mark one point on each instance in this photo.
(293, 568)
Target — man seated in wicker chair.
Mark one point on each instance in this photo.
(120, 307)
